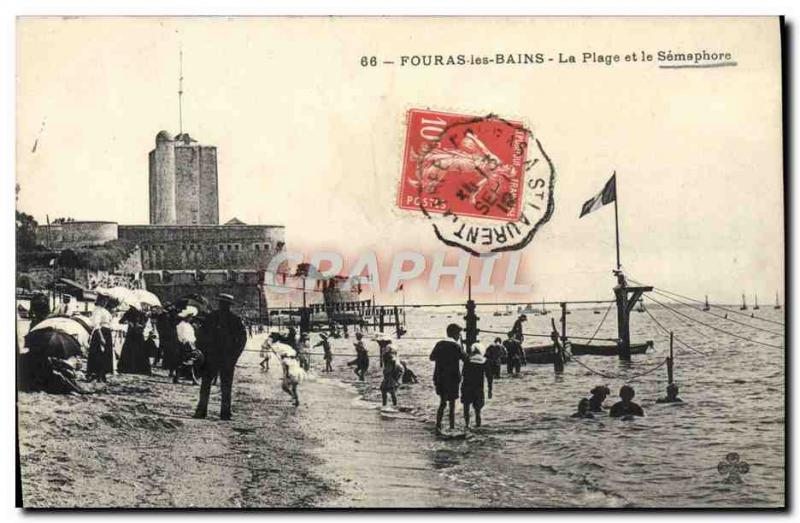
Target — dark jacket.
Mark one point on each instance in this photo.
(495, 353)
(447, 372)
(514, 349)
(472, 386)
(221, 338)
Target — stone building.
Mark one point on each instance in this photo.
(184, 250)
(244, 285)
(183, 182)
(181, 247)
(72, 234)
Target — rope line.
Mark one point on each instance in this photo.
(617, 376)
(600, 324)
(718, 315)
(436, 305)
(345, 354)
(713, 327)
(674, 337)
(717, 306)
(483, 331)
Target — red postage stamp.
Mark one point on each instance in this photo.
(463, 165)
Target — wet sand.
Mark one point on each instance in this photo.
(378, 459)
(133, 443)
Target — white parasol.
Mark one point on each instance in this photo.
(146, 297)
(80, 329)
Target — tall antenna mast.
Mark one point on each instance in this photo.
(180, 92)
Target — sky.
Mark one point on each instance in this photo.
(310, 139)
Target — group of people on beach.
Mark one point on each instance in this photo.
(394, 370)
(189, 338)
(201, 345)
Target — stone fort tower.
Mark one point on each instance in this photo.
(183, 182)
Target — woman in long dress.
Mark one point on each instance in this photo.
(134, 358)
(188, 354)
(101, 343)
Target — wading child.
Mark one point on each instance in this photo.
(472, 384)
(515, 356)
(392, 374)
(326, 349)
(303, 349)
(495, 353)
(362, 358)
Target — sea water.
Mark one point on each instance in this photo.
(530, 452)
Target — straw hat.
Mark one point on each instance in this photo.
(226, 297)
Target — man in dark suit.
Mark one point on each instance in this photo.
(221, 339)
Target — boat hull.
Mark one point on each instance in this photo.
(582, 349)
(540, 355)
(545, 355)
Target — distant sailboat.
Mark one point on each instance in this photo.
(529, 309)
(744, 304)
(545, 312)
(777, 302)
(706, 307)
(756, 307)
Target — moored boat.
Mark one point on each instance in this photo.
(540, 354)
(583, 349)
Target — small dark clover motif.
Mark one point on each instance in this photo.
(733, 468)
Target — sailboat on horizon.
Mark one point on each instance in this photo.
(706, 307)
(744, 304)
(777, 302)
(756, 307)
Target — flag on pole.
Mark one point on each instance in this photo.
(607, 195)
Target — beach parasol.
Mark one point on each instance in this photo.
(52, 343)
(121, 294)
(146, 297)
(78, 328)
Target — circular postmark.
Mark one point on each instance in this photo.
(484, 183)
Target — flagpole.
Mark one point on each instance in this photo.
(616, 218)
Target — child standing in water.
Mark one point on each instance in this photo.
(326, 349)
(472, 384)
(392, 374)
(362, 358)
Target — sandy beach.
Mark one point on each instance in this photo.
(133, 443)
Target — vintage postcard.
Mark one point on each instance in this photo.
(424, 262)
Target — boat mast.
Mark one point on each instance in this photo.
(616, 218)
